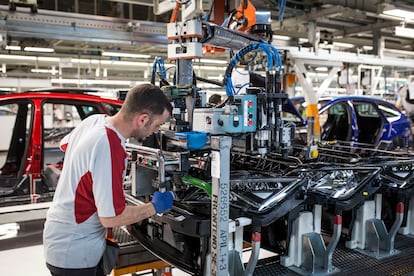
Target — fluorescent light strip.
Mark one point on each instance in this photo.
(130, 55)
(49, 59)
(343, 45)
(16, 57)
(126, 63)
(281, 37)
(102, 62)
(111, 82)
(213, 61)
(14, 89)
(39, 49)
(215, 78)
(13, 47)
(44, 71)
(404, 32)
(92, 82)
(82, 61)
(41, 71)
(208, 67)
(316, 74)
(400, 13)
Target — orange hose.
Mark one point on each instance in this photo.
(175, 12)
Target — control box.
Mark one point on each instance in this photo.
(237, 116)
(207, 119)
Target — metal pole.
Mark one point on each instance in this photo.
(219, 241)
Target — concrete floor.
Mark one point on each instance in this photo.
(30, 261)
(21, 250)
(23, 261)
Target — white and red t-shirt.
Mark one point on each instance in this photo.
(90, 186)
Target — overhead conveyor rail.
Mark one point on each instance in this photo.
(81, 27)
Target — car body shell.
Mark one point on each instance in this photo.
(22, 175)
(383, 123)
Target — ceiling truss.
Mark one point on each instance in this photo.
(84, 36)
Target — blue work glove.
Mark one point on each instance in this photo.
(163, 201)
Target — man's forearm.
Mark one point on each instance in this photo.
(130, 215)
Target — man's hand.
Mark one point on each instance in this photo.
(162, 201)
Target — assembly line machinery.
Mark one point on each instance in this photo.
(241, 176)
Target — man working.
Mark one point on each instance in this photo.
(89, 196)
(214, 100)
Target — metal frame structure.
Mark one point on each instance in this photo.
(80, 27)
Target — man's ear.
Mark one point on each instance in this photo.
(142, 118)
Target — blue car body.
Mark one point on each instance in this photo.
(366, 120)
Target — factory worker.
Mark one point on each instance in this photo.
(214, 100)
(89, 197)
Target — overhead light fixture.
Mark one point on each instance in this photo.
(52, 71)
(317, 74)
(17, 57)
(40, 71)
(96, 82)
(404, 32)
(39, 49)
(48, 59)
(13, 47)
(213, 68)
(398, 9)
(81, 61)
(399, 13)
(10, 89)
(130, 55)
(343, 45)
(281, 37)
(321, 69)
(220, 78)
(213, 61)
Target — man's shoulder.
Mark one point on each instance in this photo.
(95, 118)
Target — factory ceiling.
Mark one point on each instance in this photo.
(80, 31)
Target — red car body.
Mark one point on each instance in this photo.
(32, 150)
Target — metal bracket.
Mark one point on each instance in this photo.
(308, 254)
(369, 234)
(380, 243)
(369, 210)
(409, 228)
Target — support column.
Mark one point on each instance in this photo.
(378, 44)
(314, 128)
(220, 206)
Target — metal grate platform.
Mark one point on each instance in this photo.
(350, 262)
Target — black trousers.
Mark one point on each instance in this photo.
(91, 271)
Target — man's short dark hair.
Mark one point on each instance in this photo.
(146, 98)
(214, 99)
